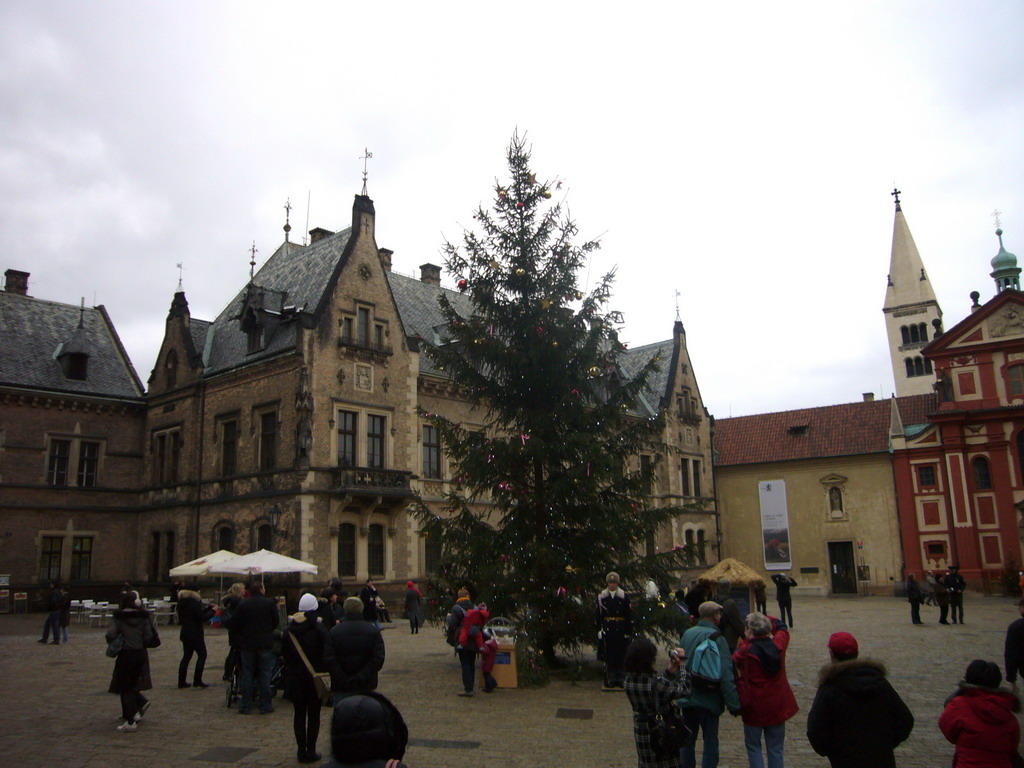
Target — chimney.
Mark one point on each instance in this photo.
(869, 397)
(318, 234)
(430, 274)
(17, 282)
(385, 258)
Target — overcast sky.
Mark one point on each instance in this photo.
(741, 155)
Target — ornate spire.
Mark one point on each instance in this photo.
(287, 217)
(367, 154)
(252, 261)
(896, 196)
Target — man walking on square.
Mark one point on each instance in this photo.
(857, 718)
(52, 624)
(255, 621)
(956, 585)
(709, 698)
(783, 583)
(915, 597)
(1013, 651)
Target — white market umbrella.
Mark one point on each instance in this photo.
(263, 561)
(203, 565)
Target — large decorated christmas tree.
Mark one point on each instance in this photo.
(549, 496)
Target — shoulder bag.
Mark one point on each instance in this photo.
(150, 637)
(321, 680)
(669, 733)
(114, 646)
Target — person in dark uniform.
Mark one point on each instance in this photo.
(956, 585)
(615, 630)
(783, 583)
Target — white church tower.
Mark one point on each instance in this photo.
(912, 315)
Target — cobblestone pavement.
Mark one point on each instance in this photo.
(55, 709)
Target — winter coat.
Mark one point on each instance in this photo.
(354, 654)
(414, 604)
(368, 595)
(131, 667)
(982, 724)
(857, 718)
(312, 636)
(615, 622)
(731, 625)
(766, 698)
(65, 609)
(725, 697)
(192, 615)
(229, 604)
(255, 620)
(782, 586)
(1013, 650)
(488, 653)
(469, 637)
(649, 694)
(914, 593)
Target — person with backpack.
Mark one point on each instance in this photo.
(766, 698)
(471, 642)
(714, 687)
(467, 656)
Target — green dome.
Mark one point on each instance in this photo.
(1004, 259)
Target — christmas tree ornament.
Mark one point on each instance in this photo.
(594, 371)
(520, 272)
(532, 178)
(547, 193)
(463, 284)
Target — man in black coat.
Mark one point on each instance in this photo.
(1013, 652)
(915, 597)
(354, 652)
(956, 585)
(857, 718)
(52, 614)
(783, 583)
(255, 621)
(614, 630)
(368, 595)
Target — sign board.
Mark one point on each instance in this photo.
(775, 525)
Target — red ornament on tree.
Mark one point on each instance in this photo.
(463, 285)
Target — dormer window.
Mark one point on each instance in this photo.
(798, 430)
(75, 365)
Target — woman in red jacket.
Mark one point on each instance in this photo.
(979, 719)
(766, 700)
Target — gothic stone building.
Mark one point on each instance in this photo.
(290, 422)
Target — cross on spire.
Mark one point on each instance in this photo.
(181, 268)
(367, 154)
(252, 261)
(896, 194)
(678, 317)
(287, 216)
(995, 217)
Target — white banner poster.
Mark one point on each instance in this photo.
(775, 525)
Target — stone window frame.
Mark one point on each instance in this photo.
(833, 484)
(74, 466)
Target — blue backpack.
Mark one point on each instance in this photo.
(705, 664)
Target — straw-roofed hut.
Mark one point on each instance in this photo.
(739, 574)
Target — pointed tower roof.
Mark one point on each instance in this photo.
(908, 282)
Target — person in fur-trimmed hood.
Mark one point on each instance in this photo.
(980, 719)
(857, 718)
(614, 631)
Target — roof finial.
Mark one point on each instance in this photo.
(995, 217)
(679, 318)
(81, 314)
(896, 194)
(181, 288)
(252, 261)
(287, 215)
(367, 154)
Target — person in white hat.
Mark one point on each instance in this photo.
(305, 630)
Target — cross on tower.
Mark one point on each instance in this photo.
(896, 194)
(180, 269)
(995, 217)
(367, 154)
(287, 215)
(252, 260)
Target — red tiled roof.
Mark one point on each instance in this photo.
(832, 430)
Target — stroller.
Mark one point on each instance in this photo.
(234, 687)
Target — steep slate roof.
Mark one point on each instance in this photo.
(633, 360)
(31, 330)
(849, 429)
(298, 278)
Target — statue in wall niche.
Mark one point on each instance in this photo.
(1007, 322)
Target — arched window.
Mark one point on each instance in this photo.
(171, 369)
(905, 332)
(1016, 377)
(835, 499)
(927, 366)
(982, 477)
(375, 550)
(347, 550)
(265, 537)
(910, 366)
(918, 366)
(701, 554)
(225, 538)
(914, 334)
(923, 331)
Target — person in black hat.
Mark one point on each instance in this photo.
(367, 731)
(956, 585)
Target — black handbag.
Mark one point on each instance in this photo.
(669, 733)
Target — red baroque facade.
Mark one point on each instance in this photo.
(960, 476)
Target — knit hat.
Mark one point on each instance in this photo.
(308, 603)
(353, 605)
(843, 645)
(983, 673)
(409, 585)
